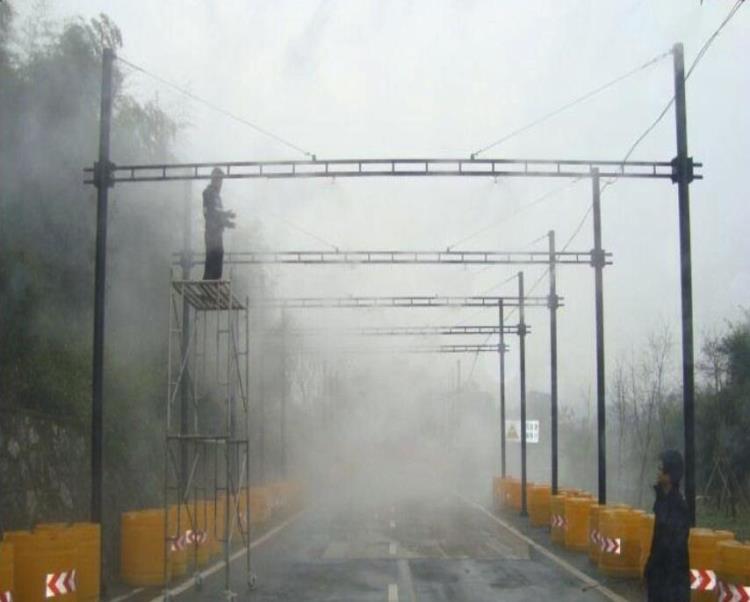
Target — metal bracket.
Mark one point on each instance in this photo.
(523, 330)
(553, 301)
(104, 176)
(598, 258)
(682, 169)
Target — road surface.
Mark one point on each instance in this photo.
(404, 538)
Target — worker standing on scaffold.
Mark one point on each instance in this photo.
(216, 220)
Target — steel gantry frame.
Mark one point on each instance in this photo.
(681, 170)
(519, 302)
(551, 259)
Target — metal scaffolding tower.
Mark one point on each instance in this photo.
(207, 450)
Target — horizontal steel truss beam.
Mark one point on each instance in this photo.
(403, 257)
(468, 348)
(388, 167)
(483, 348)
(403, 302)
(400, 331)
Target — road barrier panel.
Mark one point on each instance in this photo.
(557, 518)
(733, 571)
(44, 564)
(6, 571)
(142, 548)
(621, 545)
(595, 543)
(703, 561)
(576, 528)
(539, 505)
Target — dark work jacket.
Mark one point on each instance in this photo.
(213, 214)
(668, 568)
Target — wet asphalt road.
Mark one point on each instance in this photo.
(395, 540)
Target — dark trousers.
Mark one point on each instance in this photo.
(214, 255)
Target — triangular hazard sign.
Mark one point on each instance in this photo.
(512, 433)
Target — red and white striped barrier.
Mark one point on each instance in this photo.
(558, 521)
(733, 593)
(610, 545)
(178, 543)
(595, 537)
(59, 584)
(196, 537)
(702, 580)
(6, 597)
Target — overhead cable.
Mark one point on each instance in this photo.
(698, 57)
(572, 103)
(218, 109)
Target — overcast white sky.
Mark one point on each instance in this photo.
(384, 78)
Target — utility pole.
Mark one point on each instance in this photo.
(186, 261)
(262, 416)
(522, 354)
(597, 261)
(554, 303)
(283, 392)
(683, 175)
(102, 181)
(501, 358)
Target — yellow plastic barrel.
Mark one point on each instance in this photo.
(539, 505)
(733, 563)
(557, 518)
(176, 528)
(576, 532)
(87, 538)
(41, 558)
(6, 569)
(702, 546)
(142, 548)
(646, 534)
(594, 533)
(620, 525)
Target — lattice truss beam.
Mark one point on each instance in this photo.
(389, 167)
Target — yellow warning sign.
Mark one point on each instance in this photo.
(512, 434)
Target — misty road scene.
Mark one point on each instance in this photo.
(374, 301)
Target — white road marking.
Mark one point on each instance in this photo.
(392, 548)
(588, 581)
(404, 574)
(188, 583)
(130, 594)
(393, 592)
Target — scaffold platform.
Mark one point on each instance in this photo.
(208, 295)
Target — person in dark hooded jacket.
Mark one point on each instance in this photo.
(667, 570)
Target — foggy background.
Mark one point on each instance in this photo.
(430, 79)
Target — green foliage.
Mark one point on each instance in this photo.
(49, 112)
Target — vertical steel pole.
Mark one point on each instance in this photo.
(102, 182)
(262, 417)
(283, 393)
(186, 261)
(522, 354)
(501, 318)
(553, 303)
(597, 260)
(683, 177)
